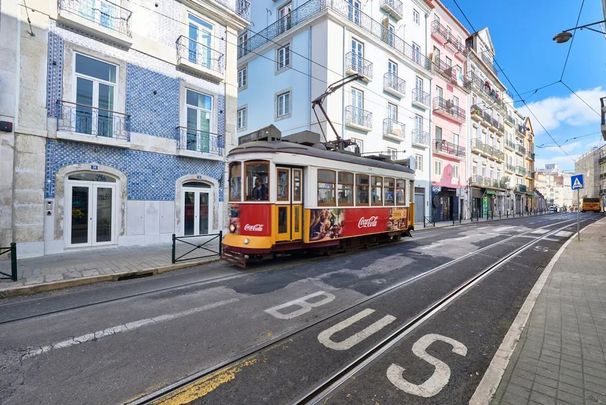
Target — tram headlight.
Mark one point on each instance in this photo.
(232, 228)
(246, 241)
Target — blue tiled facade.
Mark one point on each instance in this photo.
(55, 72)
(150, 176)
(152, 101)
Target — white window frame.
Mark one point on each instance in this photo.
(243, 78)
(242, 118)
(437, 168)
(96, 81)
(416, 17)
(283, 58)
(419, 162)
(287, 106)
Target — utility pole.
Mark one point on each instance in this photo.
(578, 214)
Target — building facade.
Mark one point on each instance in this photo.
(301, 47)
(126, 142)
(554, 184)
(450, 113)
(588, 164)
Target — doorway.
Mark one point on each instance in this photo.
(196, 210)
(289, 204)
(90, 209)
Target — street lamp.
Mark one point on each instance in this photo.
(565, 35)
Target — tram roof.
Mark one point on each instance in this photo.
(291, 147)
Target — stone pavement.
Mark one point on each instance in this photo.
(441, 224)
(561, 355)
(80, 267)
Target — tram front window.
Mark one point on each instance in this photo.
(257, 181)
(235, 181)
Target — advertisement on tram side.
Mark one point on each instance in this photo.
(333, 223)
(253, 220)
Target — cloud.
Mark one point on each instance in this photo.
(554, 112)
(564, 162)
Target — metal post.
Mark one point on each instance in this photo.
(220, 242)
(578, 212)
(424, 226)
(173, 249)
(13, 261)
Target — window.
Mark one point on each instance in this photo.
(455, 139)
(439, 92)
(419, 83)
(257, 180)
(393, 153)
(95, 91)
(283, 57)
(345, 189)
(448, 62)
(200, 41)
(390, 190)
(358, 142)
(353, 10)
(243, 77)
(377, 190)
(282, 186)
(235, 181)
(242, 118)
(284, 17)
(361, 189)
(416, 52)
(326, 188)
(437, 168)
(283, 104)
(297, 175)
(455, 101)
(199, 121)
(438, 134)
(400, 192)
(455, 171)
(357, 56)
(416, 17)
(392, 112)
(242, 43)
(419, 162)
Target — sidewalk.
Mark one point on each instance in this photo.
(561, 353)
(441, 224)
(83, 267)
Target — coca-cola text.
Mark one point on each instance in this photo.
(370, 222)
(253, 228)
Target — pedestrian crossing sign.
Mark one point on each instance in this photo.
(576, 181)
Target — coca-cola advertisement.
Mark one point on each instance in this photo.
(332, 223)
(253, 219)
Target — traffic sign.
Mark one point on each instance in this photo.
(576, 181)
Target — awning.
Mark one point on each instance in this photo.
(490, 192)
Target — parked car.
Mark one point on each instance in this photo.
(553, 208)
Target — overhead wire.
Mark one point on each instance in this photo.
(571, 42)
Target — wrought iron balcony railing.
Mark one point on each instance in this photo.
(455, 112)
(477, 179)
(199, 54)
(484, 88)
(520, 170)
(510, 167)
(420, 96)
(346, 10)
(356, 63)
(510, 144)
(87, 120)
(358, 117)
(240, 7)
(520, 149)
(194, 140)
(442, 67)
(443, 146)
(103, 13)
(420, 136)
(392, 82)
(393, 128)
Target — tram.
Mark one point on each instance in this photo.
(287, 196)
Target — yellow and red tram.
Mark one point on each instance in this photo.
(286, 196)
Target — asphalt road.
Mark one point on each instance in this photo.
(115, 342)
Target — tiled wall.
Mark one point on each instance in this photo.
(150, 176)
(55, 72)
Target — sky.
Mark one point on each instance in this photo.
(522, 33)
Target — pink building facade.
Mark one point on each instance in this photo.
(449, 114)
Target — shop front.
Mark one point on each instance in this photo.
(445, 204)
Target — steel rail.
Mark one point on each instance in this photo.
(160, 393)
(339, 378)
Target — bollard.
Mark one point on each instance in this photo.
(173, 249)
(220, 243)
(13, 261)
(424, 221)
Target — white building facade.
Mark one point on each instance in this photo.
(297, 48)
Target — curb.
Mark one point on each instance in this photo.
(82, 281)
(494, 373)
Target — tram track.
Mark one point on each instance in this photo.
(157, 396)
(214, 280)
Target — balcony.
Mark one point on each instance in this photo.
(480, 147)
(441, 146)
(521, 130)
(101, 18)
(393, 130)
(393, 8)
(476, 111)
(240, 7)
(340, 8)
(529, 155)
(497, 154)
(358, 118)
(393, 85)
(447, 109)
(83, 123)
(420, 137)
(420, 99)
(442, 35)
(441, 67)
(357, 64)
(201, 59)
(509, 119)
(485, 89)
(520, 150)
(509, 144)
(521, 188)
(510, 168)
(520, 170)
(199, 144)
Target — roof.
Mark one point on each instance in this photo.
(290, 147)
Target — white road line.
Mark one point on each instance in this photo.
(540, 232)
(563, 234)
(125, 327)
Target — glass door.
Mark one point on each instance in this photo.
(357, 56)
(200, 42)
(90, 213)
(197, 211)
(282, 209)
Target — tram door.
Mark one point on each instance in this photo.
(289, 204)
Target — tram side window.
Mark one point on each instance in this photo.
(257, 181)
(389, 190)
(235, 181)
(326, 188)
(377, 190)
(345, 189)
(361, 189)
(400, 192)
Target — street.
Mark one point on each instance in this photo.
(417, 321)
